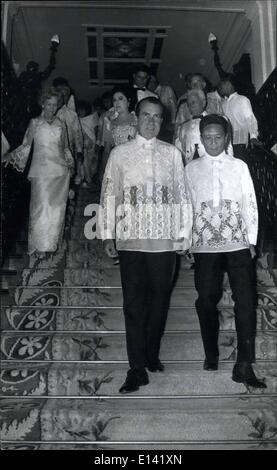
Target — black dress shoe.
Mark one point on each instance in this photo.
(210, 365)
(244, 373)
(154, 367)
(133, 381)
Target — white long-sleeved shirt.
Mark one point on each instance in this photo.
(239, 110)
(145, 180)
(225, 216)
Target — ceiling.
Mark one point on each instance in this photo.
(185, 48)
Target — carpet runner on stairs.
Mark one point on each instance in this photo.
(64, 358)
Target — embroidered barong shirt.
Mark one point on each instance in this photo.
(225, 216)
(145, 180)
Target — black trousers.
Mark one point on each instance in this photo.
(146, 283)
(209, 271)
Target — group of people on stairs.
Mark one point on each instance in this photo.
(189, 189)
(160, 208)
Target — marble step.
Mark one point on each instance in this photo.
(101, 379)
(100, 346)
(104, 379)
(174, 346)
(42, 314)
(112, 297)
(149, 420)
(177, 379)
(110, 277)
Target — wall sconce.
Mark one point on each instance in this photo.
(212, 39)
(55, 41)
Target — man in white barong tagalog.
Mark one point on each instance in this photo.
(144, 183)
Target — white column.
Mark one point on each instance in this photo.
(262, 15)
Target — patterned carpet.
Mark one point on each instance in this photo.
(68, 307)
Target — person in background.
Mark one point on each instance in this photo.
(106, 105)
(49, 175)
(59, 83)
(197, 81)
(188, 139)
(122, 127)
(224, 235)
(167, 97)
(240, 113)
(73, 128)
(140, 78)
(30, 81)
(89, 123)
(145, 179)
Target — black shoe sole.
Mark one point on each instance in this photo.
(249, 382)
(142, 383)
(155, 369)
(210, 365)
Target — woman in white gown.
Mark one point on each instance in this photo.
(49, 175)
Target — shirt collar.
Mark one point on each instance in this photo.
(219, 158)
(232, 95)
(142, 142)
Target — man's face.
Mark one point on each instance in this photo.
(225, 89)
(197, 82)
(214, 139)
(140, 79)
(149, 120)
(195, 105)
(64, 92)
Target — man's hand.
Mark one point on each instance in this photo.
(252, 251)
(110, 249)
(182, 252)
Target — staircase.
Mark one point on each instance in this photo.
(64, 358)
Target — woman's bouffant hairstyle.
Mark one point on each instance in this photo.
(47, 93)
(127, 91)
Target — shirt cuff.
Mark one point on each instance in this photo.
(252, 238)
(253, 135)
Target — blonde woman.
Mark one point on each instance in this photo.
(49, 174)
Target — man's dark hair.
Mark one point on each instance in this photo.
(82, 104)
(149, 99)
(142, 68)
(214, 119)
(60, 81)
(230, 77)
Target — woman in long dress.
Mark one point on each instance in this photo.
(120, 125)
(49, 175)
